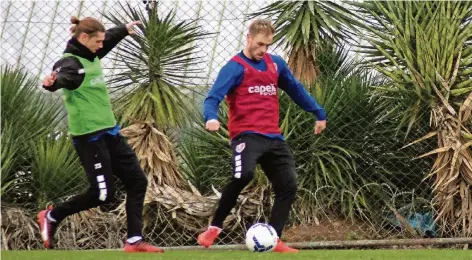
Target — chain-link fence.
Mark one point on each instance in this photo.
(362, 179)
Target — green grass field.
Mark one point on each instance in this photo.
(242, 255)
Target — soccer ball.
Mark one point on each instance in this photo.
(261, 237)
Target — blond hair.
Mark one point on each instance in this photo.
(261, 26)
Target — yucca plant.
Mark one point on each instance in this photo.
(158, 67)
(301, 26)
(425, 49)
(25, 107)
(349, 171)
(55, 169)
(9, 157)
(27, 115)
(157, 73)
(205, 155)
(327, 163)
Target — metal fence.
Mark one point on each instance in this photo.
(358, 181)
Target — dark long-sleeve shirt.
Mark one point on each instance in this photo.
(69, 71)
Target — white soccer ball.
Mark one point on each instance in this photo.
(261, 237)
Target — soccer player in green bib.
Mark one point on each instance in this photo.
(103, 152)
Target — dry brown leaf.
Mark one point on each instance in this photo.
(429, 135)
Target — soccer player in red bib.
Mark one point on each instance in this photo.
(250, 81)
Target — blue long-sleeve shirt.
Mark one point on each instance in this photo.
(231, 75)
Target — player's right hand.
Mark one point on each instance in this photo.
(49, 79)
(212, 125)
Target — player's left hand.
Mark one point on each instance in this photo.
(129, 27)
(320, 126)
(49, 79)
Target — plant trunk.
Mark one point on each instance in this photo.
(452, 172)
(302, 63)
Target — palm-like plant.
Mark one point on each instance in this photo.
(9, 157)
(157, 67)
(332, 166)
(425, 48)
(27, 114)
(205, 155)
(55, 167)
(157, 73)
(301, 26)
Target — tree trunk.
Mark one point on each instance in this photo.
(452, 171)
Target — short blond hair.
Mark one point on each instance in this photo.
(261, 26)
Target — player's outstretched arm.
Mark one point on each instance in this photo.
(114, 35)
(67, 73)
(298, 93)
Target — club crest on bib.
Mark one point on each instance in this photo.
(240, 147)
